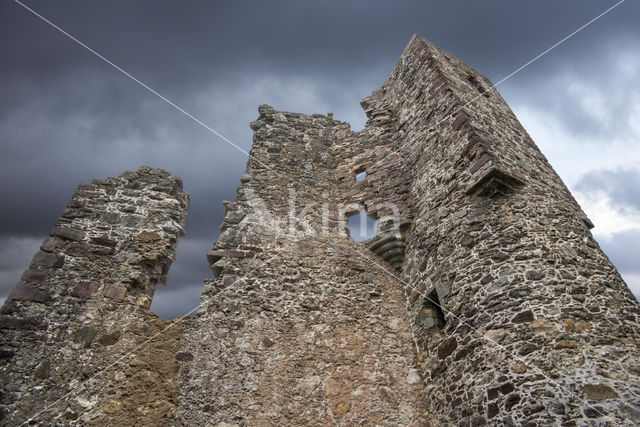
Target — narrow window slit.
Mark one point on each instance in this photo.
(431, 317)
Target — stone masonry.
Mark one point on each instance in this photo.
(482, 300)
(83, 304)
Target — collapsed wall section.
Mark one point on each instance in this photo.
(83, 305)
(297, 327)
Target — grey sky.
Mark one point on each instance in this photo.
(66, 117)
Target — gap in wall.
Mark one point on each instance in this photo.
(362, 226)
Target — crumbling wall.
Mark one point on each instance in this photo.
(75, 327)
(517, 317)
(484, 298)
(297, 328)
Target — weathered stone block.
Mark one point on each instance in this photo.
(101, 250)
(67, 233)
(104, 241)
(6, 354)
(184, 357)
(523, 317)
(85, 335)
(511, 401)
(43, 370)
(78, 250)
(466, 240)
(50, 244)
(494, 182)
(115, 291)
(43, 259)
(34, 275)
(85, 289)
(447, 347)
(110, 217)
(214, 256)
(25, 291)
(7, 322)
(149, 236)
(599, 392)
(109, 339)
(534, 275)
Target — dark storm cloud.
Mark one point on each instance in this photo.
(67, 117)
(621, 185)
(187, 42)
(178, 49)
(593, 97)
(624, 249)
(45, 159)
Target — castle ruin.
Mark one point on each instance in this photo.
(483, 299)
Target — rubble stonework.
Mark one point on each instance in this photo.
(297, 327)
(516, 315)
(535, 316)
(484, 298)
(83, 305)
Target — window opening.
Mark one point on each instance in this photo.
(431, 314)
(362, 227)
(479, 87)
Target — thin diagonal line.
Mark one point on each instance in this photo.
(129, 353)
(373, 260)
(559, 43)
(516, 71)
(359, 252)
(159, 95)
(245, 152)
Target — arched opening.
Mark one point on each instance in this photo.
(431, 316)
(362, 226)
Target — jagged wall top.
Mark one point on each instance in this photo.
(88, 287)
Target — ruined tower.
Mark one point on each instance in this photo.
(484, 298)
(75, 330)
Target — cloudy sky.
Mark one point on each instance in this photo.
(67, 117)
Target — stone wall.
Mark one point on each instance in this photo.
(516, 315)
(74, 327)
(540, 327)
(484, 298)
(297, 328)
